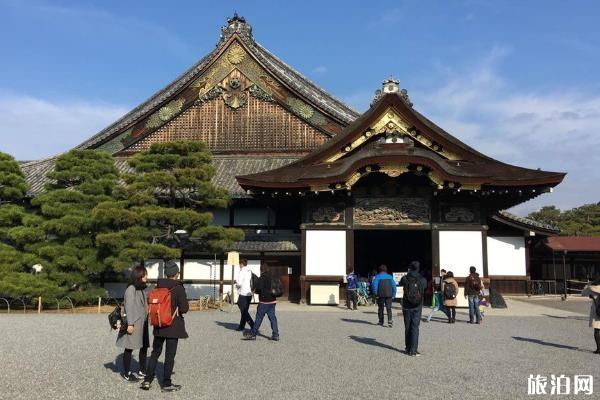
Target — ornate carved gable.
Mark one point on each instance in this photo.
(391, 128)
(249, 82)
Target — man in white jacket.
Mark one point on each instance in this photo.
(244, 295)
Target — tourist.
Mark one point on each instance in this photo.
(351, 291)
(438, 302)
(384, 288)
(371, 277)
(135, 335)
(412, 306)
(449, 292)
(168, 334)
(244, 289)
(473, 287)
(593, 292)
(266, 305)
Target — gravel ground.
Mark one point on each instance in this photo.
(322, 355)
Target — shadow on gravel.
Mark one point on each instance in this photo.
(543, 343)
(373, 342)
(582, 318)
(117, 365)
(358, 321)
(227, 325)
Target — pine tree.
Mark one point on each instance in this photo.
(81, 180)
(170, 190)
(578, 221)
(17, 227)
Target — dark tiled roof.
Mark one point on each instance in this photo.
(527, 223)
(226, 167)
(258, 243)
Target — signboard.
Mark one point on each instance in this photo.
(399, 290)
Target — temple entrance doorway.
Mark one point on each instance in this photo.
(394, 248)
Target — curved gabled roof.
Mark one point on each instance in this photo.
(345, 154)
(237, 31)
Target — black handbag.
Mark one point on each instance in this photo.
(115, 316)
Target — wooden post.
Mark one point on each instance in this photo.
(40, 305)
(99, 303)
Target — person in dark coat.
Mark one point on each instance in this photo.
(266, 305)
(473, 287)
(414, 286)
(135, 335)
(168, 334)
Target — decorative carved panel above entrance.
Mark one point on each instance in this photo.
(392, 211)
(462, 214)
(326, 213)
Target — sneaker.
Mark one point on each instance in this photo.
(249, 336)
(129, 377)
(390, 324)
(417, 354)
(140, 375)
(145, 385)
(274, 338)
(380, 323)
(597, 351)
(239, 328)
(171, 388)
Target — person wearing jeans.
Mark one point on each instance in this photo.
(438, 302)
(244, 295)
(473, 286)
(266, 305)
(384, 287)
(412, 307)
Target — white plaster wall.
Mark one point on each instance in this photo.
(155, 269)
(506, 256)
(195, 291)
(325, 252)
(459, 250)
(201, 269)
(324, 294)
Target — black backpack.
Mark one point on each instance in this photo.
(384, 288)
(596, 300)
(413, 290)
(276, 287)
(449, 291)
(254, 282)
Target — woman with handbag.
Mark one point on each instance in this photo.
(135, 334)
(593, 292)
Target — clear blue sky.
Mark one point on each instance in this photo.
(518, 80)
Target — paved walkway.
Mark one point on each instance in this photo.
(325, 353)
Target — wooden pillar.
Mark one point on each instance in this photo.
(484, 253)
(349, 250)
(222, 275)
(303, 287)
(435, 251)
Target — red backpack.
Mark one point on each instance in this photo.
(159, 308)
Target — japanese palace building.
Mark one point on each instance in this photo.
(321, 189)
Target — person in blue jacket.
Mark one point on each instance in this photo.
(384, 288)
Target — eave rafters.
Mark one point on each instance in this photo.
(394, 170)
(391, 122)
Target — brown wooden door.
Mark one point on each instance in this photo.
(281, 267)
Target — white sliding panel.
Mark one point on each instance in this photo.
(461, 249)
(325, 252)
(201, 269)
(506, 256)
